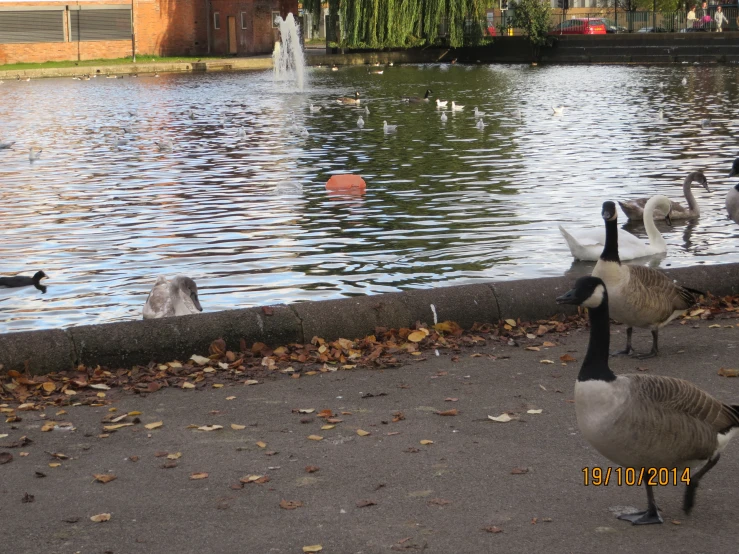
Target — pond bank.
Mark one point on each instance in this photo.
(139, 342)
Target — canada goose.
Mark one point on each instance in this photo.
(171, 298)
(315, 109)
(588, 245)
(634, 209)
(360, 122)
(732, 198)
(22, 281)
(417, 99)
(558, 110)
(640, 296)
(456, 107)
(4, 145)
(478, 113)
(441, 103)
(18, 78)
(443, 117)
(164, 145)
(480, 124)
(644, 421)
(389, 128)
(34, 153)
(348, 100)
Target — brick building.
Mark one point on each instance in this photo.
(55, 30)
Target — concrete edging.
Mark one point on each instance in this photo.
(140, 342)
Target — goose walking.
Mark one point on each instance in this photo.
(360, 122)
(732, 198)
(634, 209)
(349, 100)
(639, 296)
(172, 298)
(441, 103)
(456, 107)
(23, 281)
(34, 153)
(644, 421)
(588, 245)
(389, 128)
(558, 110)
(417, 99)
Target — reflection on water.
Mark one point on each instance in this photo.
(446, 203)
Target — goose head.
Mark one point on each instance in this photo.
(356, 95)
(700, 178)
(734, 168)
(428, 91)
(188, 288)
(589, 292)
(608, 212)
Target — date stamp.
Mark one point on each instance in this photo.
(630, 477)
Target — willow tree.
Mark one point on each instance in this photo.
(405, 23)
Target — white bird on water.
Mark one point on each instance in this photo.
(119, 141)
(360, 122)
(558, 110)
(685, 80)
(706, 122)
(304, 132)
(34, 153)
(165, 145)
(241, 133)
(661, 115)
(478, 113)
(389, 128)
(441, 103)
(315, 109)
(480, 124)
(456, 107)
(444, 117)
(366, 110)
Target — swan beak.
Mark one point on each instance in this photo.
(705, 186)
(194, 298)
(567, 298)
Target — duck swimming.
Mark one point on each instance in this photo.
(349, 100)
(23, 281)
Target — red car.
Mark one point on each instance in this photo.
(580, 26)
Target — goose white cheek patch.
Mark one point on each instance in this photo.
(595, 299)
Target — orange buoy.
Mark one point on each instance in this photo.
(347, 182)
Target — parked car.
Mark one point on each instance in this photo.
(611, 26)
(652, 30)
(580, 26)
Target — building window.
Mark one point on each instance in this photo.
(216, 20)
(243, 20)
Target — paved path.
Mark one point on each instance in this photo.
(384, 492)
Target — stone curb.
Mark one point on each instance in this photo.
(139, 342)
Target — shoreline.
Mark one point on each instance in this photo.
(124, 344)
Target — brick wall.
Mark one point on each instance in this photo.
(163, 28)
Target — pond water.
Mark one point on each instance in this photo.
(445, 204)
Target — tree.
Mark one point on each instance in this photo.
(534, 18)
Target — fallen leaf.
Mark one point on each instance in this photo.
(306, 410)
(548, 344)
(5, 457)
(210, 427)
(492, 529)
(417, 336)
(313, 548)
(567, 358)
(426, 441)
(251, 382)
(327, 427)
(438, 502)
(100, 518)
(533, 348)
(187, 385)
(58, 455)
(451, 412)
(519, 471)
(230, 398)
(3, 435)
(366, 503)
(49, 386)
(55, 464)
(104, 477)
(363, 433)
(200, 360)
(311, 469)
(154, 425)
(534, 411)
(502, 418)
(262, 444)
(174, 456)
(201, 475)
(116, 427)
(315, 437)
(134, 414)
(723, 372)
(237, 427)
(715, 326)
(290, 504)
(511, 322)
(217, 386)
(451, 399)
(133, 458)
(100, 386)
(546, 362)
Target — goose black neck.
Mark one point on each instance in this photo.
(595, 365)
(610, 251)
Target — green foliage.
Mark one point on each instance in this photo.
(533, 17)
(405, 23)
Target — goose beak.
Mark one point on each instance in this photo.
(607, 215)
(567, 298)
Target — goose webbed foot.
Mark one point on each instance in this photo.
(649, 516)
(655, 347)
(690, 490)
(628, 350)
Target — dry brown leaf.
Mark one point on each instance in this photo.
(313, 548)
(117, 426)
(134, 413)
(311, 469)
(100, 518)
(451, 399)
(366, 503)
(55, 464)
(262, 444)
(426, 441)
(533, 348)
(187, 385)
(104, 477)
(5, 457)
(363, 433)
(290, 504)
(210, 427)
(237, 427)
(548, 344)
(546, 362)
(511, 322)
(451, 412)
(723, 372)
(502, 418)
(567, 358)
(155, 425)
(200, 475)
(315, 437)
(519, 471)
(174, 456)
(416, 336)
(49, 386)
(492, 529)
(230, 398)
(327, 427)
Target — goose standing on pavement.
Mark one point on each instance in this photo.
(172, 298)
(732, 198)
(639, 296)
(588, 245)
(417, 99)
(644, 421)
(634, 209)
(349, 100)
(23, 281)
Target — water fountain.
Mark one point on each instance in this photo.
(288, 58)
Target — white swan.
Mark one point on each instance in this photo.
(587, 245)
(558, 110)
(172, 298)
(360, 122)
(34, 153)
(389, 128)
(441, 103)
(315, 109)
(456, 107)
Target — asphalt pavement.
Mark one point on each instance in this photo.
(373, 483)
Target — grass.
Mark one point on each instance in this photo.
(116, 61)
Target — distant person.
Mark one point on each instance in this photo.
(691, 18)
(720, 19)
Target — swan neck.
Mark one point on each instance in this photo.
(655, 237)
(595, 364)
(688, 193)
(610, 250)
